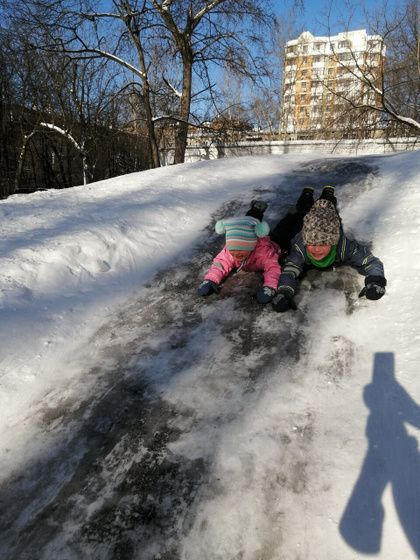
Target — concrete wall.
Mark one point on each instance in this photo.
(341, 147)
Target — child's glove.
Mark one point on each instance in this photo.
(374, 287)
(283, 301)
(265, 294)
(207, 287)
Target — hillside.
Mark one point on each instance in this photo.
(142, 422)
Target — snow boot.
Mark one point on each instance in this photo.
(258, 207)
(328, 194)
(305, 201)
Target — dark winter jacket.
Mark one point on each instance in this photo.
(348, 253)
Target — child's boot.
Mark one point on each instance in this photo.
(258, 207)
(328, 194)
(305, 201)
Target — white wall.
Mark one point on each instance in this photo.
(342, 147)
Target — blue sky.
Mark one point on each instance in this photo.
(315, 21)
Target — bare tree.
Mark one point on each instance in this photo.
(7, 100)
(220, 32)
(269, 103)
(61, 117)
(73, 100)
(390, 82)
(401, 74)
(193, 36)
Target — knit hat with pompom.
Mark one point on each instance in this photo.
(242, 233)
(321, 225)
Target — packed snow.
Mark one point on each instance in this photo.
(277, 436)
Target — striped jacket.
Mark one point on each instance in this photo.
(264, 258)
(349, 253)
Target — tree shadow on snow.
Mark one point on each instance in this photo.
(392, 458)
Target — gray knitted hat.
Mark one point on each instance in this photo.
(321, 225)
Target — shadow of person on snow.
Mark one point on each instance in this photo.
(392, 457)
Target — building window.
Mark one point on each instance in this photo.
(305, 49)
(330, 71)
(304, 73)
(319, 47)
(302, 109)
(303, 86)
(342, 44)
(303, 98)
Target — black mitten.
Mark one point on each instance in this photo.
(207, 287)
(265, 294)
(283, 301)
(374, 287)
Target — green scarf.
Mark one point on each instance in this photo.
(326, 261)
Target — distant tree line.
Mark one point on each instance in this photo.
(93, 89)
(62, 121)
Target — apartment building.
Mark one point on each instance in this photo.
(319, 73)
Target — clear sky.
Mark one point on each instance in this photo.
(314, 18)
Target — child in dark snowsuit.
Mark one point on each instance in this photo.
(322, 245)
(292, 223)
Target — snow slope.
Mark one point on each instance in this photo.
(140, 421)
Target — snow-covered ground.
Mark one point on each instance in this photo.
(142, 422)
